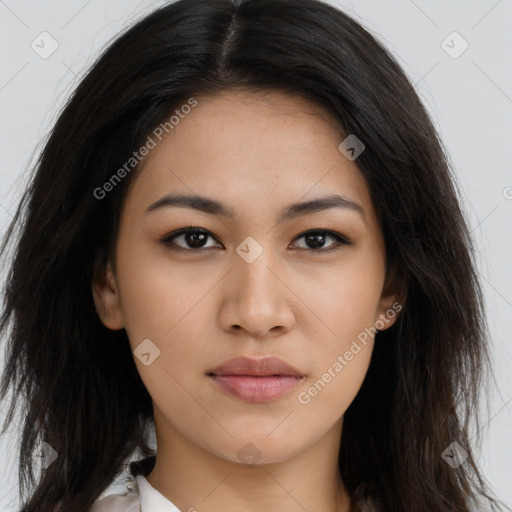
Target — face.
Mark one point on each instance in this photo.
(252, 278)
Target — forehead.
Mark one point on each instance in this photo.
(247, 149)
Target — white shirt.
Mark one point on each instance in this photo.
(134, 495)
(152, 500)
(138, 495)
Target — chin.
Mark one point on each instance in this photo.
(259, 449)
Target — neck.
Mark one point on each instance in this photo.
(194, 478)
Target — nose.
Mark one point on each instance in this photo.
(256, 299)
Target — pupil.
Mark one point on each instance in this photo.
(195, 238)
(318, 239)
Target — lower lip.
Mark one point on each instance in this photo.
(256, 389)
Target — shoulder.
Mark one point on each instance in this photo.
(121, 496)
(129, 502)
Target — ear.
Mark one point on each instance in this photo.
(391, 302)
(106, 298)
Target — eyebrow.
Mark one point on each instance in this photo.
(211, 206)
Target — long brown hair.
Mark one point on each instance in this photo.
(76, 380)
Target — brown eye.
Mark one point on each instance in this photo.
(195, 239)
(316, 240)
(191, 239)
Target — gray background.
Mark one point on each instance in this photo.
(469, 98)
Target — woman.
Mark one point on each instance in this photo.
(243, 230)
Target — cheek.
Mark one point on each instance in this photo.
(341, 356)
(168, 305)
(345, 299)
(158, 296)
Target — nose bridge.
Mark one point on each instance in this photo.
(253, 264)
(258, 297)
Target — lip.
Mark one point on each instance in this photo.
(256, 380)
(263, 366)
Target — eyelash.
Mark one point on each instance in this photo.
(340, 239)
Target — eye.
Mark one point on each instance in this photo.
(317, 238)
(194, 237)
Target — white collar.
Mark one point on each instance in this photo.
(152, 500)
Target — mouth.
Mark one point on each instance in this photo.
(256, 380)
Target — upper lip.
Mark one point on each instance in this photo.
(256, 366)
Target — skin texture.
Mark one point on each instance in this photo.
(257, 154)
